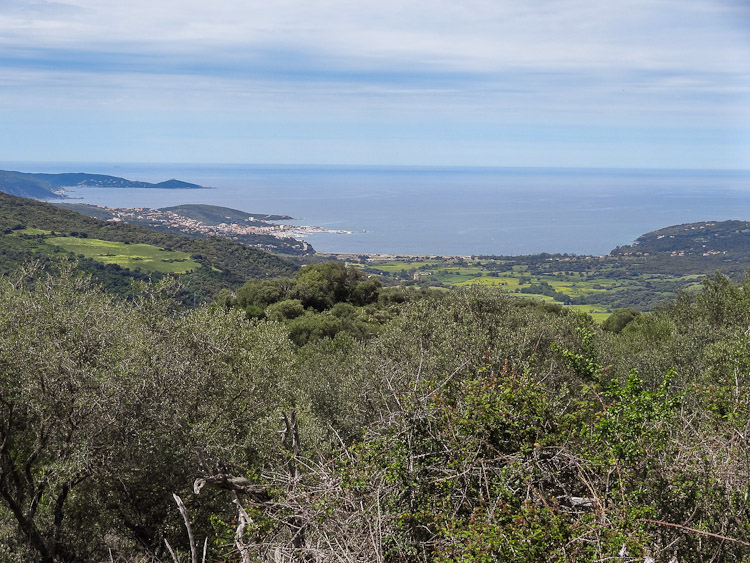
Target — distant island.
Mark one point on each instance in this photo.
(52, 186)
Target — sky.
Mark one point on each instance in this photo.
(579, 83)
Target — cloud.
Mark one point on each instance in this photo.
(25, 9)
(475, 35)
(468, 69)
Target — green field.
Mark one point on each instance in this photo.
(592, 285)
(506, 282)
(31, 231)
(598, 312)
(145, 257)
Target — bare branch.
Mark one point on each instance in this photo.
(693, 530)
(191, 538)
(171, 551)
(227, 482)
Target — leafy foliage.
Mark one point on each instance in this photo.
(466, 426)
(102, 402)
(319, 302)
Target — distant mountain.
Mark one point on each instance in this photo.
(81, 179)
(704, 239)
(26, 185)
(48, 186)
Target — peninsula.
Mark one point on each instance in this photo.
(52, 186)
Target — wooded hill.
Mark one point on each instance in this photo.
(215, 214)
(705, 238)
(224, 263)
(26, 185)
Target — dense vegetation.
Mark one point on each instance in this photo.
(320, 301)
(313, 414)
(469, 426)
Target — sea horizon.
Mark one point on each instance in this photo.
(67, 166)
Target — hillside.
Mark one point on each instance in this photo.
(83, 179)
(26, 185)
(197, 220)
(48, 185)
(89, 180)
(215, 214)
(26, 224)
(176, 184)
(706, 238)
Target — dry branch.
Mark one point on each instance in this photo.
(695, 531)
(228, 482)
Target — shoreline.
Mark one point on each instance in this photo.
(229, 229)
(377, 256)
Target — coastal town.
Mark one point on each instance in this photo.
(231, 229)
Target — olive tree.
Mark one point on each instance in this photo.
(103, 404)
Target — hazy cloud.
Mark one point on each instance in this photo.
(348, 65)
(474, 35)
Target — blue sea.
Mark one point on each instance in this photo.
(429, 210)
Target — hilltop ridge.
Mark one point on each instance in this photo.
(703, 238)
(216, 214)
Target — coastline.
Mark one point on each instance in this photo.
(378, 256)
(455, 213)
(255, 226)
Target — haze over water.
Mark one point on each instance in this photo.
(458, 211)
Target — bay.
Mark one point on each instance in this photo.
(429, 210)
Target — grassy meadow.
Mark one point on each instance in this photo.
(133, 256)
(146, 257)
